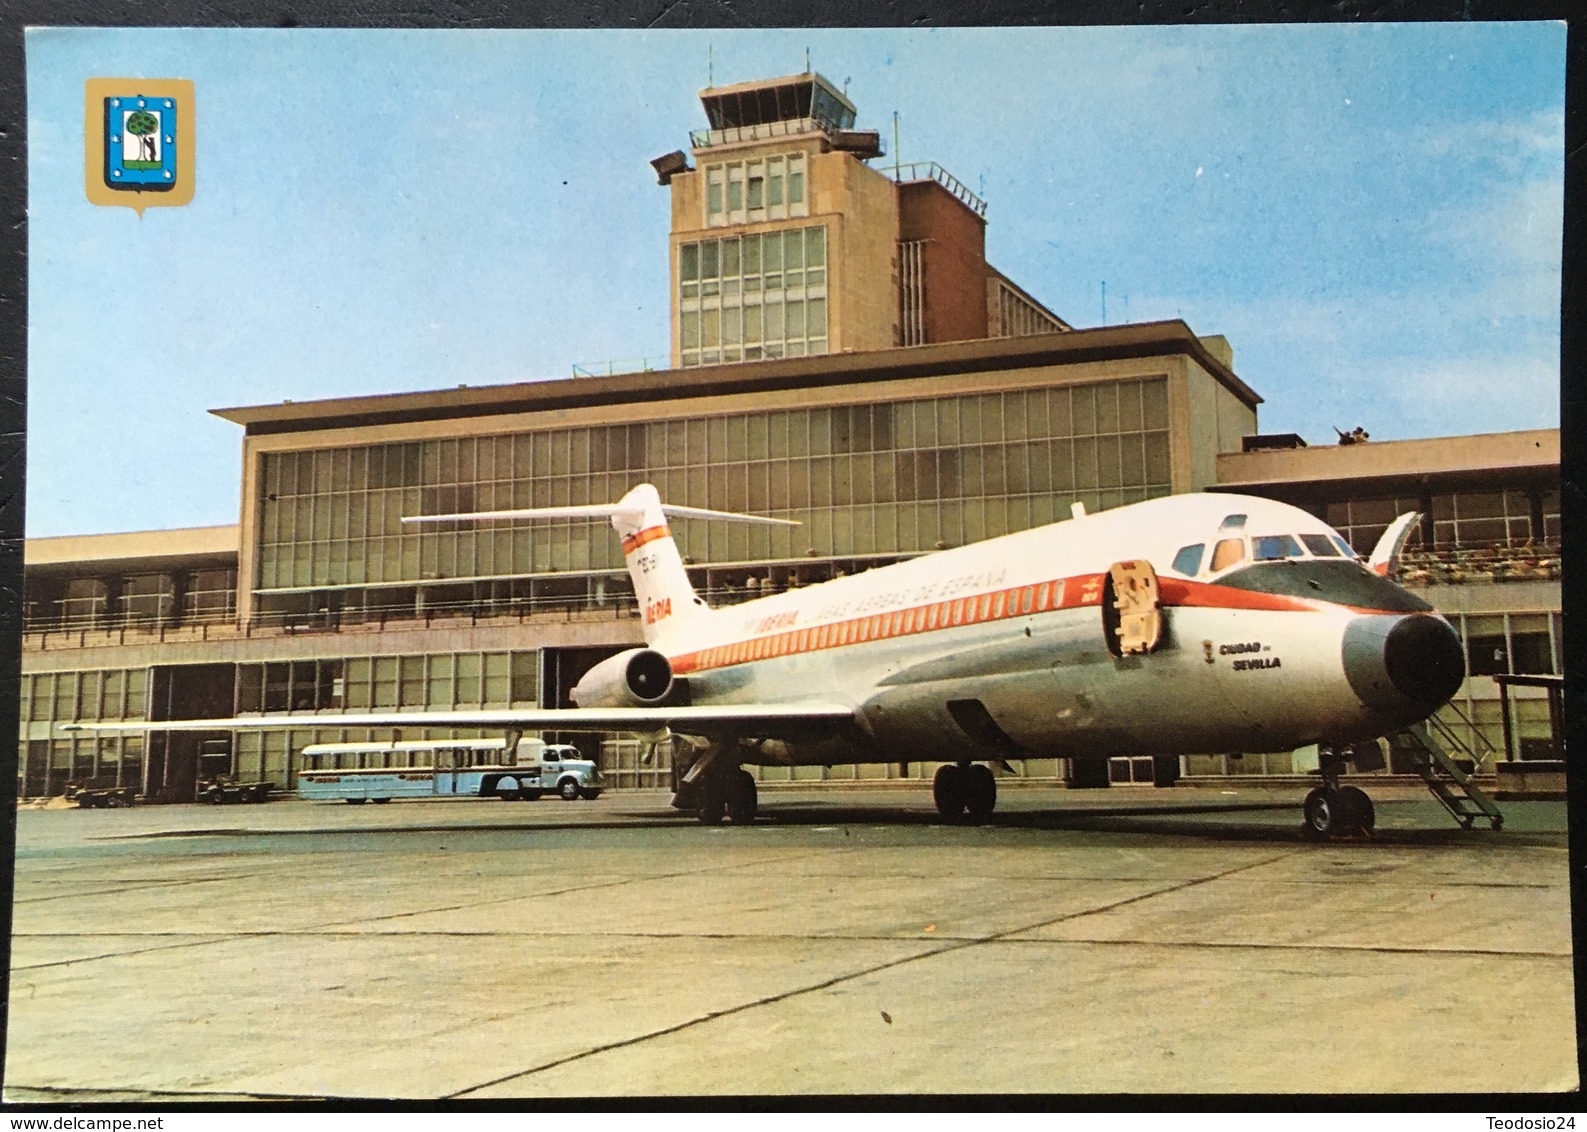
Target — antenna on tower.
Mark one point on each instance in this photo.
(807, 60)
(1104, 302)
(710, 65)
(895, 145)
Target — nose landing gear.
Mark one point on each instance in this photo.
(1332, 810)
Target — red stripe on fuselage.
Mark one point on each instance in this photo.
(993, 605)
(1209, 595)
(649, 534)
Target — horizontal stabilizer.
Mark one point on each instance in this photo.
(598, 511)
(662, 586)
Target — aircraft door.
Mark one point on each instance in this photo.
(1132, 615)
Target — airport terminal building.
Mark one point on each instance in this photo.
(842, 355)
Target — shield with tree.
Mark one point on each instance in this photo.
(144, 126)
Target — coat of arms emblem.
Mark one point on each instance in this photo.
(140, 143)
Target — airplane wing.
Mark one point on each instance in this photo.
(750, 720)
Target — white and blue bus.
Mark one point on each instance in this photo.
(445, 768)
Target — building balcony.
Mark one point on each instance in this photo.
(1481, 565)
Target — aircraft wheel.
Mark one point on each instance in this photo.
(529, 795)
(380, 801)
(980, 792)
(356, 801)
(1331, 810)
(1321, 812)
(741, 798)
(948, 791)
(712, 803)
(1359, 808)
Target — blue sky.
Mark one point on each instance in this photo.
(1370, 214)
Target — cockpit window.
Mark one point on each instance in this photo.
(1228, 552)
(1268, 548)
(1232, 523)
(1188, 560)
(1320, 545)
(1344, 547)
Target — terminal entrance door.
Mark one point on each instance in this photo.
(186, 691)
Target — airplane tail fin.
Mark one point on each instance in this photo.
(661, 584)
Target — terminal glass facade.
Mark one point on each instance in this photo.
(47, 760)
(1468, 520)
(883, 478)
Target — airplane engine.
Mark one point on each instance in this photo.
(636, 678)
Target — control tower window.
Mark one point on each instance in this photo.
(746, 192)
(761, 295)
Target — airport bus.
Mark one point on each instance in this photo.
(445, 768)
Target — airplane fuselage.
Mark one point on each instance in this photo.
(1000, 649)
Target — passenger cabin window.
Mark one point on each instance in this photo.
(1320, 545)
(1188, 560)
(1271, 548)
(1228, 552)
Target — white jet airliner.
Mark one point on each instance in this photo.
(1190, 624)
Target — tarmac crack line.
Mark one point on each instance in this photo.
(784, 937)
(121, 954)
(135, 886)
(1338, 948)
(838, 980)
(321, 928)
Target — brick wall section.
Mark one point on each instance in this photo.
(954, 268)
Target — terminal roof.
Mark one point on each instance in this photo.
(945, 360)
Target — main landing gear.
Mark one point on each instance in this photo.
(1332, 810)
(964, 788)
(731, 793)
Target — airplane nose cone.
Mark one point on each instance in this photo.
(1395, 663)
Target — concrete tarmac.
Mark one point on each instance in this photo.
(1121, 941)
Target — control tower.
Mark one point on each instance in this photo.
(786, 241)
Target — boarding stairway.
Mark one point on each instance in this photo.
(1432, 748)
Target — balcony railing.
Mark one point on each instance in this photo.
(787, 128)
(931, 171)
(589, 606)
